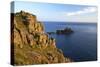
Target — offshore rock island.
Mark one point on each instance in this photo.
(65, 31)
(30, 44)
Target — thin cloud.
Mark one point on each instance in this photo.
(83, 11)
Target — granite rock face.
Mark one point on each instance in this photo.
(31, 45)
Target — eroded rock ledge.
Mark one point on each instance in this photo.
(31, 45)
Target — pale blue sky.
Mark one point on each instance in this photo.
(58, 12)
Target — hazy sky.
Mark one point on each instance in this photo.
(58, 12)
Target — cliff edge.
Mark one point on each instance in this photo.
(29, 42)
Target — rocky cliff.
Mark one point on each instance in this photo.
(29, 42)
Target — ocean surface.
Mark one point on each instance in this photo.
(80, 45)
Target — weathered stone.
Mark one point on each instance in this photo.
(17, 39)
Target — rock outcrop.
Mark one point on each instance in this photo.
(30, 44)
(65, 31)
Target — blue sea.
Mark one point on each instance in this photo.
(80, 45)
